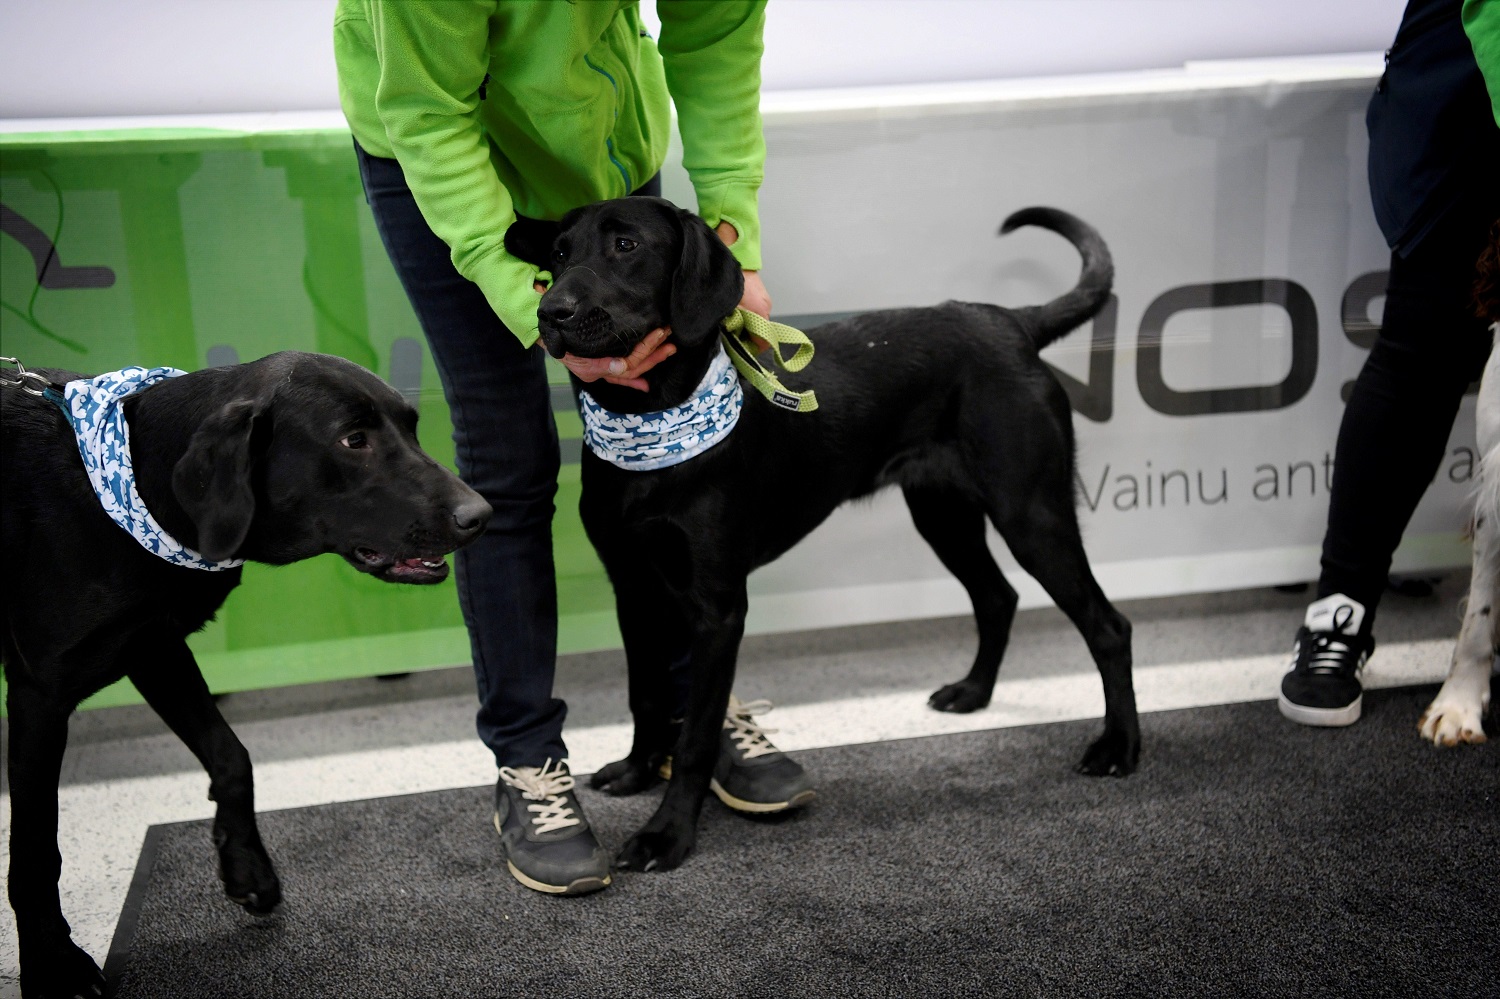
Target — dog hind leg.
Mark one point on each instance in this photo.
(174, 687)
(955, 528)
(1457, 713)
(1045, 540)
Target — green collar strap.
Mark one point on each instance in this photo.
(740, 328)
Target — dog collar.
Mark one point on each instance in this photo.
(642, 442)
(94, 408)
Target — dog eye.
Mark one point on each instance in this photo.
(559, 256)
(356, 440)
(625, 245)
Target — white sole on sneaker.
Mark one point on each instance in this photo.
(582, 886)
(760, 807)
(1320, 717)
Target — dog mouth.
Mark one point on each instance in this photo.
(421, 569)
(594, 334)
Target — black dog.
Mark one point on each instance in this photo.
(950, 403)
(282, 459)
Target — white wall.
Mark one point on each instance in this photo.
(68, 58)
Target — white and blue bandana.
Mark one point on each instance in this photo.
(93, 406)
(641, 442)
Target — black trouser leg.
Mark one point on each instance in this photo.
(1395, 428)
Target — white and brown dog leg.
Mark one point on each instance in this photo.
(1456, 714)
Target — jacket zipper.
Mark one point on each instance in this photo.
(609, 145)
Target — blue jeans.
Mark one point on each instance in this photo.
(507, 451)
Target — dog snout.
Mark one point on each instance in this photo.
(557, 307)
(470, 516)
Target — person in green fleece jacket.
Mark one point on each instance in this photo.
(467, 114)
(1482, 25)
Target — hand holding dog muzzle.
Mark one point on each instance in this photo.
(627, 370)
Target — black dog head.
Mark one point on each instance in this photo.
(311, 454)
(623, 268)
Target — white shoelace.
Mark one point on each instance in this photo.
(749, 738)
(1330, 654)
(547, 786)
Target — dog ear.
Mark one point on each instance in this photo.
(212, 480)
(531, 240)
(707, 284)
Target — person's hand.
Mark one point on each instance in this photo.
(755, 298)
(627, 370)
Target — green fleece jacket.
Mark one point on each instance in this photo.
(495, 107)
(1482, 24)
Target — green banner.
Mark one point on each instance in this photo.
(201, 247)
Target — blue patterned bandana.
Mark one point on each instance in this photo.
(93, 406)
(641, 442)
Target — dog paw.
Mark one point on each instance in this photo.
(63, 971)
(654, 851)
(1113, 754)
(624, 777)
(1448, 722)
(249, 880)
(960, 698)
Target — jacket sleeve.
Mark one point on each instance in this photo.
(433, 60)
(1482, 24)
(711, 53)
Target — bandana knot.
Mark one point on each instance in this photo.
(94, 406)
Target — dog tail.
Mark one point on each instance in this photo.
(1069, 311)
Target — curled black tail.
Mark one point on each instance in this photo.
(1074, 308)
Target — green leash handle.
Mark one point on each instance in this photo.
(740, 328)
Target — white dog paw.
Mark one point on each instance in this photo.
(1447, 723)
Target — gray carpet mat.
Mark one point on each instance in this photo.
(1248, 856)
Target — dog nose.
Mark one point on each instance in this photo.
(470, 516)
(557, 307)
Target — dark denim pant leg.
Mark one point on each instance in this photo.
(507, 451)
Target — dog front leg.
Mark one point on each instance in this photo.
(174, 687)
(667, 838)
(655, 636)
(51, 964)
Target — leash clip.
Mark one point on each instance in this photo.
(27, 381)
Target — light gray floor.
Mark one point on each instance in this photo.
(803, 668)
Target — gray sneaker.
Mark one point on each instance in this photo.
(548, 843)
(752, 775)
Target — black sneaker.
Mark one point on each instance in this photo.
(548, 843)
(752, 775)
(1323, 685)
